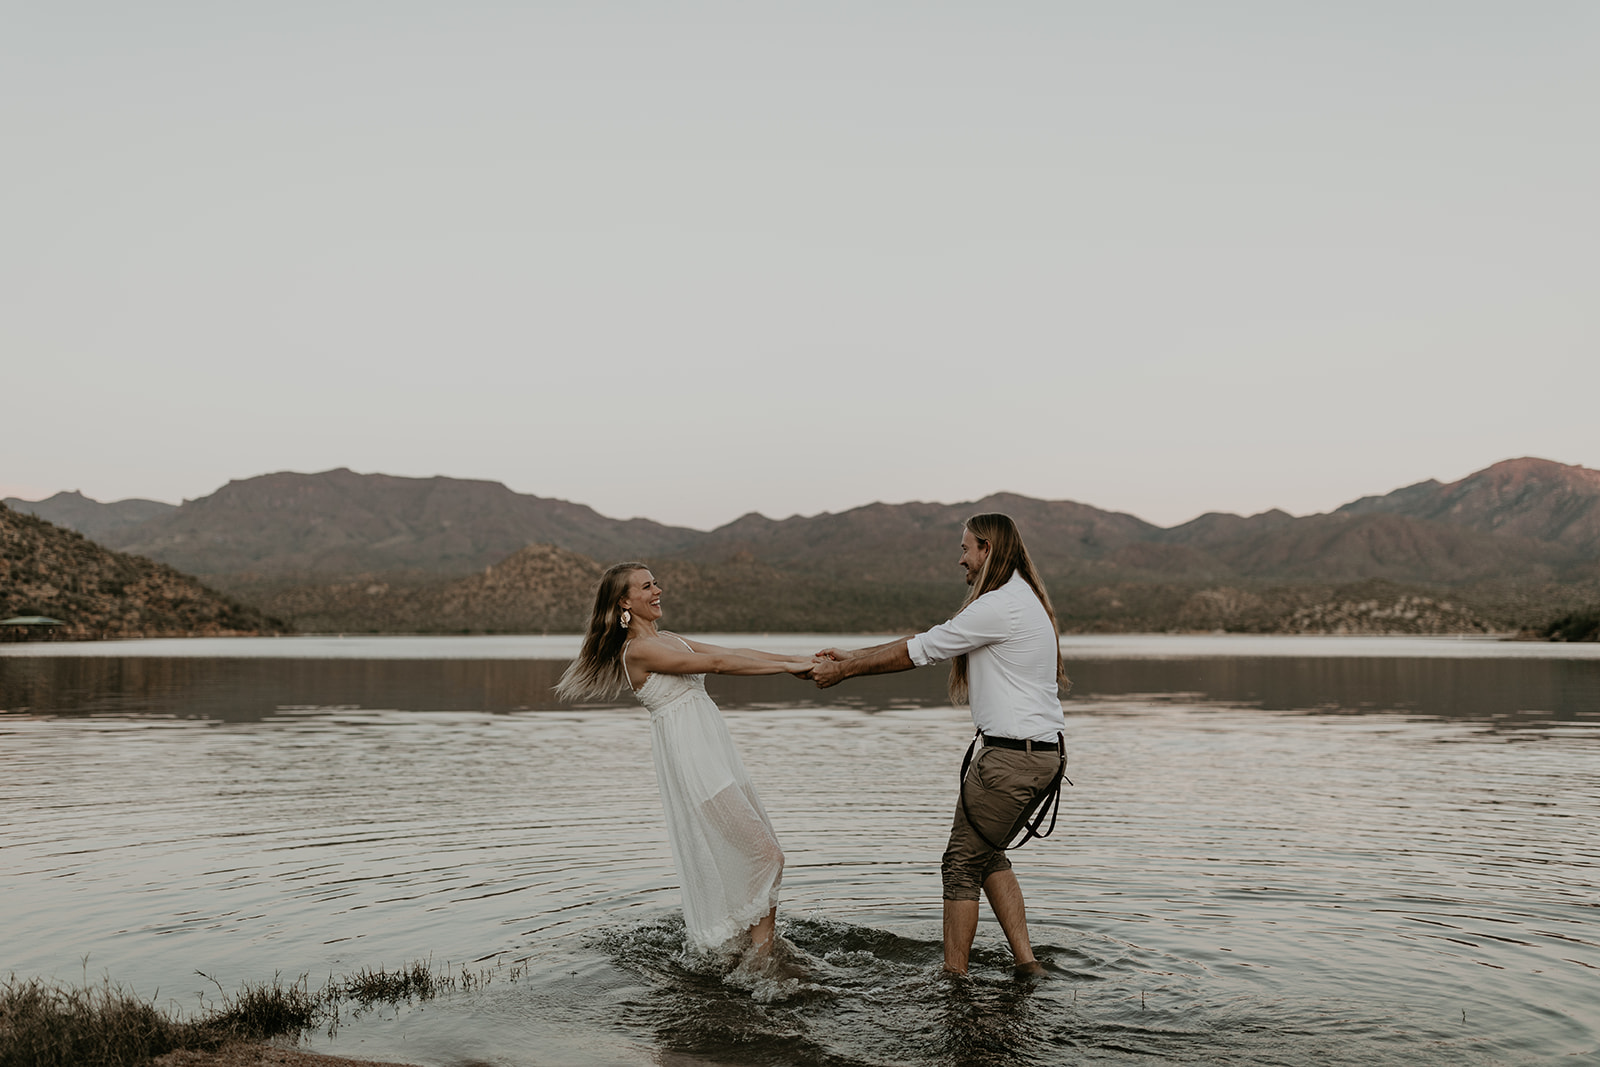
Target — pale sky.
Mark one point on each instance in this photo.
(689, 260)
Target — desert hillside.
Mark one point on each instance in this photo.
(95, 592)
(1514, 547)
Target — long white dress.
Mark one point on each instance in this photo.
(727, 855)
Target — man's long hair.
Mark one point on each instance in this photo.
(597, 673)
(1007, 556)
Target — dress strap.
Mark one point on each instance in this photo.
(625, 673)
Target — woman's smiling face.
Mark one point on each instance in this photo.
(644, 595)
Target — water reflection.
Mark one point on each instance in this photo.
(253, 689)
(1468, 689)
(250, 690)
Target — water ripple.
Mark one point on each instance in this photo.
(1228, 885)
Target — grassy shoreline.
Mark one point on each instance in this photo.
(53, 1024)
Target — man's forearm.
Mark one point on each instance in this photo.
(856, 653)
(880, 659)
(834, 665)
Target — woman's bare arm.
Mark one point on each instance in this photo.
(752, 653)
(661, 657)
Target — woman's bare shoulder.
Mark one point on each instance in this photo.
(663, 643)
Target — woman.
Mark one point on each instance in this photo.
(722, 841)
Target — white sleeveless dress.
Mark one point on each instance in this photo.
(727, 855)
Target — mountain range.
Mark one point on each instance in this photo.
(340, 523)
(1501, 545)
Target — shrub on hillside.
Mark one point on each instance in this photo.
(1578, 626)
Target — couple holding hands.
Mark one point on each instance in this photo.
(1005, 664)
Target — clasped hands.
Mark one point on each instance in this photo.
(826, 668)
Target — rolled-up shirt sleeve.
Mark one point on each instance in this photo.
(980, 623)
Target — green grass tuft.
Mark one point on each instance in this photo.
(367, 987)
(261, 1011)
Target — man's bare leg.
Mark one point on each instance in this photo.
(1005, 899)
(960, 926)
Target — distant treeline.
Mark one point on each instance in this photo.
(746, 598)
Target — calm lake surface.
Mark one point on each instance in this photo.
(1276, 851)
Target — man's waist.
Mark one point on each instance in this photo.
(1023, 744)
(1037, 723)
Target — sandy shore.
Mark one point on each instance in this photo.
(250, 1054)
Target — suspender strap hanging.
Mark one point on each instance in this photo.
(1033, 814)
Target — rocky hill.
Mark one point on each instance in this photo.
(55, 572)
(91, 518)
(1074, 542)
(1511, 547)
(538, 589)
(1348, 547)
(545, 589)
(1532, 500)
(339, 523)
(1525, 519)
(919, 541)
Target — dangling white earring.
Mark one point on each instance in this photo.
(627, 617)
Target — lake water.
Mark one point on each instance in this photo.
(1277, 851)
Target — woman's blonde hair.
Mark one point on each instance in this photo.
(1007, 556)
(597, 673)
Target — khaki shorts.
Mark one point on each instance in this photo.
(1000, 786)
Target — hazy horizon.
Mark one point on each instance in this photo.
(697, 261)
(865, 503)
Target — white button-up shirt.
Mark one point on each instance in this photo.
(1011, 653)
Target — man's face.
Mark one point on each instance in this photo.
(973, 554)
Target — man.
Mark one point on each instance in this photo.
(1006, 656)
